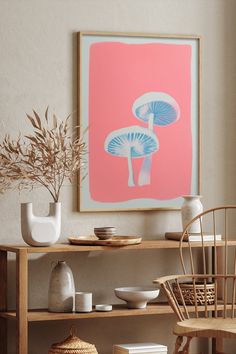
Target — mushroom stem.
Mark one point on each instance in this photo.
(144, 175)
(150, 121)
(130, 169)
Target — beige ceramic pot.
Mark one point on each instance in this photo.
(61, 290)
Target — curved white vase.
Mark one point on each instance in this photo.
(191, 207)
(40, 230)
(61, 290)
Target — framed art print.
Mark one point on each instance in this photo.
(139, 97)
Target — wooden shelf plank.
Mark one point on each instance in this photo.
(145, 244)
(118, 311)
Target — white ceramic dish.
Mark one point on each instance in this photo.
(137, 297)
(103, 307)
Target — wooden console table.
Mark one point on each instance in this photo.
(22, 315)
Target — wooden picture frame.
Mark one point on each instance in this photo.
(139, 97)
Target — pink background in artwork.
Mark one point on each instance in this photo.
(118, 74)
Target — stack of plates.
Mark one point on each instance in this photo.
(105, 233)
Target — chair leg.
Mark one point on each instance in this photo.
(186, 346)
(178, 343)
(219, 346)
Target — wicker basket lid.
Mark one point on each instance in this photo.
(72, 345)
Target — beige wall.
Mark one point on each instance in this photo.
(38, 67)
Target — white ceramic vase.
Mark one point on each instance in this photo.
(61, 290)
(40, 230)
(191, 207)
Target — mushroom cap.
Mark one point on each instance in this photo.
(163, 107)
(131, 141)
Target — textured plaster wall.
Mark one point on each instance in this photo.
(38, 67)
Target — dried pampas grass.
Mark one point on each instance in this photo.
(5, 182)
(47, 157)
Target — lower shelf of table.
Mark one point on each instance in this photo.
(118, 311)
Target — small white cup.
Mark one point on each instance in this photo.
(83, 302)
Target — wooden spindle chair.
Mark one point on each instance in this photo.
(203, 313)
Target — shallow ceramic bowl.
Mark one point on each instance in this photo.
(137, 297)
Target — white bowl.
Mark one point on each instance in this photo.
(137, 297)
(103, 307)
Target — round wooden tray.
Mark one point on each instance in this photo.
(114, 241)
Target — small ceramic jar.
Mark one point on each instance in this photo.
(191, 207)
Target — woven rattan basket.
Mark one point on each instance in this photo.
(72, 345)
(204, 292)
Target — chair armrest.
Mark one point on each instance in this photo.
(166, 278)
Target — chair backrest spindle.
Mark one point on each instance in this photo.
(233, 288)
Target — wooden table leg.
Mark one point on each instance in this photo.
(22, 301)
(3, 301)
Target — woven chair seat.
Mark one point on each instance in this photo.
(211, 327)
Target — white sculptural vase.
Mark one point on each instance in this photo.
(40, 230)
(191, 207)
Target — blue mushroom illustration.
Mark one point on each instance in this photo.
(131, 142)
(154, 108)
